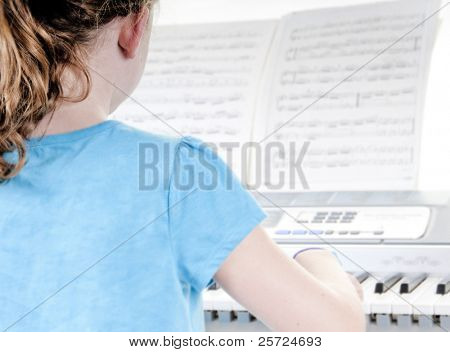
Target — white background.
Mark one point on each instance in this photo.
(435, 155)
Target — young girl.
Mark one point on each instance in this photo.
(94, 239)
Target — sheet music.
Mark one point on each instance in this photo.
(365, 134)
(202, 80)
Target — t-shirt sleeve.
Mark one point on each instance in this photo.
(210, 212)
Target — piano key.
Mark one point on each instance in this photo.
(244, 317)
(209, 315)
(208, 300)
(231, 303)
(404, 321)
(424, 304)
(225, 316)
(222, 301)
(383, 321)
(368, 287)
(411, 282)
(403, 303)
(362, 276)
(445, 322)
(443, 287)
(386, 282)
(382, 303)
(425, 322)
(442, 305)
(213, 286)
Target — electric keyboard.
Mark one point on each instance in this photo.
(396, 243)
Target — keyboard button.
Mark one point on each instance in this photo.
(343, 232)
(282, 232)
(333, 218)
(299, 232)
(329, 232)
(354, 232)
(378, 233)
(316, 232)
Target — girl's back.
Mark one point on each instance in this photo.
(100, 211)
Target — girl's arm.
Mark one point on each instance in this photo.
(310, 293)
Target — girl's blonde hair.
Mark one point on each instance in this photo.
(39, 40)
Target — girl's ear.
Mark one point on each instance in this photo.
(132, 31)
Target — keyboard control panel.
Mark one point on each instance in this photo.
(351, 223)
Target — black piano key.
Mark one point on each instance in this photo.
(387, 282)
(411, 282)
(443, 287)
(213, 286)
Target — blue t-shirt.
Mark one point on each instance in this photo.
(113, 229)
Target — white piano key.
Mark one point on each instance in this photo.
(403, 305)
(244, 317)
(445, 322)
(442, 305)
(368, 287)
(207, 300)
(425, 302)
(225, 316)
(221, 301)
(382, 303)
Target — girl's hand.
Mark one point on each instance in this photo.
(357, 286)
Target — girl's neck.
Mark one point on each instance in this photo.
(70, 117)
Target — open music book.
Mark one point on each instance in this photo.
(349, 80)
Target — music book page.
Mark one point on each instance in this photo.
(202, 80)
(351, 81)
